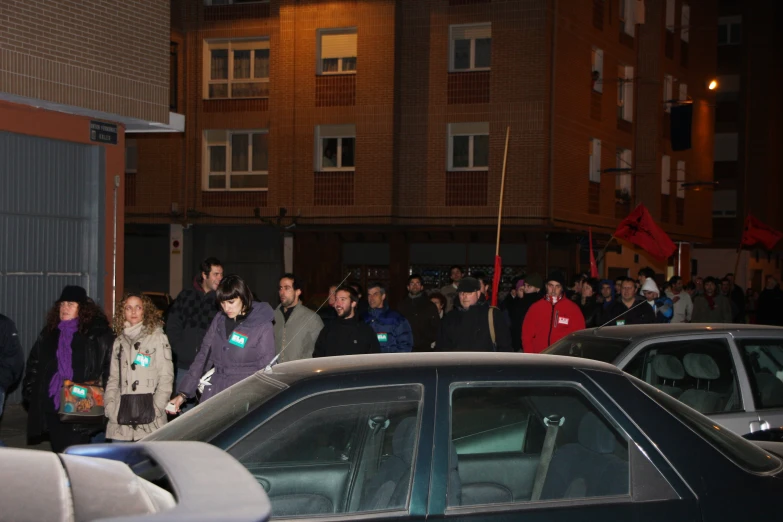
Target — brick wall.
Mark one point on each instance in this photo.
(105, 55)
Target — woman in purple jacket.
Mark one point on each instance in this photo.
(240, 341)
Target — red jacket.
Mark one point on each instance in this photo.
(546, 324)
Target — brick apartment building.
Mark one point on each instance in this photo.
(74, 78)
(368, 136)
(748, 138)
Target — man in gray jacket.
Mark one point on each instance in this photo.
(296, 326)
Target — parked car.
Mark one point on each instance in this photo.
(128, 482)
(478, 436)
(731, 373)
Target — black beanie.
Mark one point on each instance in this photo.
(558, 277)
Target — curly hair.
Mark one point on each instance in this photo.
(88, 313)
(152, 316)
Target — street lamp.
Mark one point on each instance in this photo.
(712, 85)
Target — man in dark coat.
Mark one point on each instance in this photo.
(347, 334)
(770, 304)
(528, 292)
(630, 308)
(422, 314)
(11, 358)
(467, 327)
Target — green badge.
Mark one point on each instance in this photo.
(79, 391)
(620, 322)
(238, 340)
(142, 360)
(382, 337)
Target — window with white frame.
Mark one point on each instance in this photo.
(625, 92)
(470, 47)
(683, 88)
(236, 159)
(627, 16)
(624, 160)
(668, 87)
(595, 160)
(335, 148)
(337, 51)
(236, 68)
(680, 179)
(670, 15)
(468, 146)
(729, 30)
(131, 156)
(232, 2)
(685, 23)
(724, 203)
(598, 70)
(666, 172)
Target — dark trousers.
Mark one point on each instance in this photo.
(63, 434)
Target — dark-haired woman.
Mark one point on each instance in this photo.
(240, 341)
(74, 345)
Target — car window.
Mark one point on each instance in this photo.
(698, 372)
(531, 443)
(597, 348)
(764, 362)
(740, 451)
(337, 452)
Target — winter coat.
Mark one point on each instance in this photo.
(422, 315)
(545, 323)
(189, 317)
(517, 310)
(90, 361)
(11, 354)
(769, 309)
(638, 314)
(683, 306)
(154, 371)
(591, 311)
(392, 329)
(346, 337)
(238, 354)
(467, 330)
(299, 333)
(721, 313)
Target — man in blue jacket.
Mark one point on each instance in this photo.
(393, 330)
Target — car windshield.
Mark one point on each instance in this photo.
(743, 453)
(595, 348)
(207, 420)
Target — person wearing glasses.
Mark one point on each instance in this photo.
(140, 364)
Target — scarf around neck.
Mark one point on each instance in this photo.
(64, 359)
(132, 332)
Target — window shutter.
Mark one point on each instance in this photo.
(338, 45)
(467, 32)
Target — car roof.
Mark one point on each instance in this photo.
(322, 366)
(637, 332)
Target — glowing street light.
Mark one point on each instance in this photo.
(712, 85)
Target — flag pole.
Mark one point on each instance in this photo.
(603, 250)
(739, 248)
(496, 275)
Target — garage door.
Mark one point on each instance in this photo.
(51, 203)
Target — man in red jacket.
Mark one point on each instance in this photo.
(552, 318)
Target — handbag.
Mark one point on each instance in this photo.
(135, 408)
(81, 402)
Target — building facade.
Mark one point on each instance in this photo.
(367, 138)
(74, 78)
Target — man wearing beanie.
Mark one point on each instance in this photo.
(467, 327)
(528, 292)
(552, 318)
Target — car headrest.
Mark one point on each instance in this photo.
(594, 435)
(701, 366)
(402, 441)
(668, 367)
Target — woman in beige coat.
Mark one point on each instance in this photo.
(142, 351)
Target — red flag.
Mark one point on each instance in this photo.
(496, 281)
(757, 232)
(640, 229)
(593, 264)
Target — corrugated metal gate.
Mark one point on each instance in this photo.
(51, 211)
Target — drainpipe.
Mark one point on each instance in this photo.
(114, 247)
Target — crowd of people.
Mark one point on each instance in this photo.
(140, 371)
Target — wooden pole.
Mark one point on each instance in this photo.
(502, 188)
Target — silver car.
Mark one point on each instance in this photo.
(732, 373)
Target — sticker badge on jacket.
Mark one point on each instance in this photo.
(142, 360)
(237, 339)
(382, 337)
(562, 320)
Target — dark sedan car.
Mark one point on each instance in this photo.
(473, 436)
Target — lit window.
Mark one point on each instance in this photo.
(471, 47)
(468, 146)
(624, 160)
(335, 148)
(625, 92)
(236, 69)
(236, 160)
(337, 51)
(598, 70)
(595, 160)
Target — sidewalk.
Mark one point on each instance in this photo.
(13, 429)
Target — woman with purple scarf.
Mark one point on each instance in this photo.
(74, 345)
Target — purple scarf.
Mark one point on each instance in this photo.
(64, 362)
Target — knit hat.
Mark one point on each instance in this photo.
(74, 294)
(535, 280)
(557, 277)
(650, 286)
(468, 284)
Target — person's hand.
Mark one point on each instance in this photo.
(176, 402)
